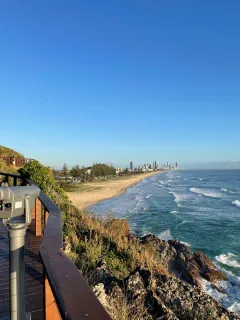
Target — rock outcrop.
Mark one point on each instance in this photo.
(188, 266)
(149, 295)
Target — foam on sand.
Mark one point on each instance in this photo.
(206, 192)
(229, 259)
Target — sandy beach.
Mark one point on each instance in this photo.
(89, 194)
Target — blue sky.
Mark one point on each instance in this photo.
(115, 81)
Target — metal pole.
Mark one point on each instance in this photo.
(16, 234)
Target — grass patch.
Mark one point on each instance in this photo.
(78, 187)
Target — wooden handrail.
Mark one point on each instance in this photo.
(74, 297)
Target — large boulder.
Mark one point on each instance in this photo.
(192, 267)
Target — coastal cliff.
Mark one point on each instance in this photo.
(134, 277)
(145, 277)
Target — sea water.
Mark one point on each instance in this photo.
(199, 208)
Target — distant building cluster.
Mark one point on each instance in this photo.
(153, 167)
(170, 166)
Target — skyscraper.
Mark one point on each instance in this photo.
(131, 165)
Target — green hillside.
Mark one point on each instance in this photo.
(7, 152)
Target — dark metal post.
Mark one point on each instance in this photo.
(17, 270)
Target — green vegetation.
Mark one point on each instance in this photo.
(44, 178)
(88, 174)
(7, 152)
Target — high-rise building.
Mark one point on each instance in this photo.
(155, 165)
(131, 165)
(176, 164)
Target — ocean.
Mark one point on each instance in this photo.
(199, 208)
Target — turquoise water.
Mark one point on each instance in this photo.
(200, 208)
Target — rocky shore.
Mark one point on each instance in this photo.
(151, 295)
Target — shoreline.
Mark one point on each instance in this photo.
(105, 190)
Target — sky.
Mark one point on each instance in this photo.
(120, 81)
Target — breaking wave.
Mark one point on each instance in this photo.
(165, 235)
(178, 198)
(230, 297)
(236, 203)
(206, 192)
(229, 259)
(226, 190)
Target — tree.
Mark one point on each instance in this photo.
(44, 179)
(65, 171)
(54, 171)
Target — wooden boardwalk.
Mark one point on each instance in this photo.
(34, 278)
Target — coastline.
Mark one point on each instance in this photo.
(100, 191)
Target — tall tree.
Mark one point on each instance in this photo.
(65, 171)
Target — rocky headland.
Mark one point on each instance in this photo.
(151, 295)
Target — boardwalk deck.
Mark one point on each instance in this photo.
(34, 278)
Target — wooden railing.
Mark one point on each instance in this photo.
(67, 295)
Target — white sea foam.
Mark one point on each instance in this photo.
(206, 192)
(179, 197)
(174, 211)
(229, 259)
(200, 179)
(165, 235)
(230, 299)
(148, 196)
(161, 181)
(226, 190)
(236, 203)
(186, 243)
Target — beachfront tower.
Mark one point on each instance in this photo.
(131, 165)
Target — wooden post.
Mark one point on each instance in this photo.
(45, 218)
(32, 225)
(51, 309)
(38, 225)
